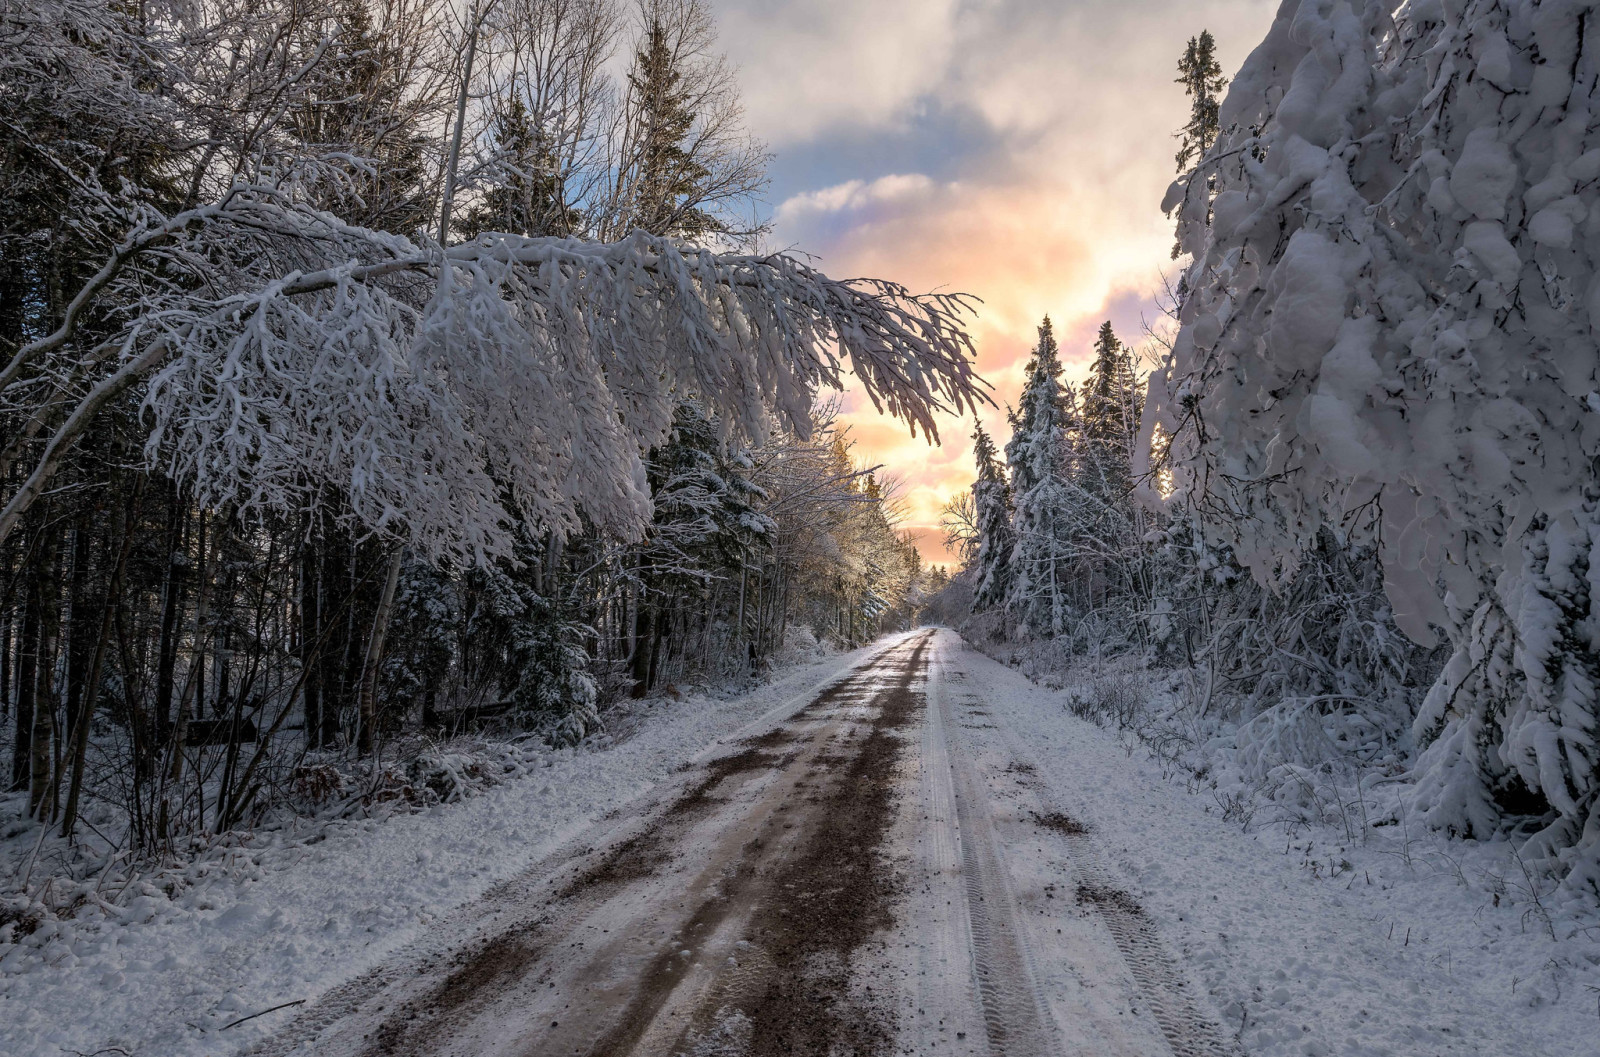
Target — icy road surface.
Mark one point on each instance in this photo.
(880, 872)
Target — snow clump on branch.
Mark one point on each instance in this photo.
(1390, 327)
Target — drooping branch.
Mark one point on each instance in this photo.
(455, 391)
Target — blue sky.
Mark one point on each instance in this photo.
(1017, 150)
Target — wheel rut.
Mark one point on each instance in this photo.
(729, 921)
(1015, 1018)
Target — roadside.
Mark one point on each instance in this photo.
(287, 921)
(1306, 941)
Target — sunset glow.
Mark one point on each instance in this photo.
(1014, 150)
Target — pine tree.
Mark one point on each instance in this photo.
(670, 177)
(991, 500)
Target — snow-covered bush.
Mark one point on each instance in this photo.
(1390, 329)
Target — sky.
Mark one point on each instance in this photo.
(1017, 150)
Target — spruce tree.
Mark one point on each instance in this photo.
(1111, 400)
(669, 177)
(1041, 455)
(530, 197)
(359, 106)
(1202, 80)
(991, 500)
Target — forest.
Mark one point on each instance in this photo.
(378, 371)
(1352, 511)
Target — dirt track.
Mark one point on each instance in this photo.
(837, 885)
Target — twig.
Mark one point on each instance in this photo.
(264, 1012)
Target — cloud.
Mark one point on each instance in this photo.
(853, 197)
(1016, 150)
(810, 66)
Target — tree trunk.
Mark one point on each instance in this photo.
(191, 685)
(370, 669)
(44, 710)
(644, 618)
(91, 692)
(171, 608)
(310, 635)
(27, 677)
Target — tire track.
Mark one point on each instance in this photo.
(1188, 1031)
(1162, 985)
(1014, 1014)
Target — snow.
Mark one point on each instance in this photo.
(298, 918)
(1427, 172)
(1308, 942)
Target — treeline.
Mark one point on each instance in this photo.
(233, 549)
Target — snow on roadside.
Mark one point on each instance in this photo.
(164, 978)
(1311, 943)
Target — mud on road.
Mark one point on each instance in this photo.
(730, 922)
(885, 871)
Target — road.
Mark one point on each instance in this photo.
(882, 871)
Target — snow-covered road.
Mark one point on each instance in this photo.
(911, 850)
(862, 878)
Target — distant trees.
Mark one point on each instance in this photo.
(1059, 545)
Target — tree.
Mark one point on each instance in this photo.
(1112, 397)
(1202, 80)
(670, 177)
(528, 194)
(1041, 455)
(683, 164)
(991, 502)
(958, 522)
(1416, 234)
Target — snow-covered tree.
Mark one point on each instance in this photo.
(1041, 456)
(991, 503)
(1390, 331)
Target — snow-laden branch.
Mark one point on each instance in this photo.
(1393, 311)
(446, 393)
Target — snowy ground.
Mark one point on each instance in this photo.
(166, 977)
(1306, 943)
(1044, 888)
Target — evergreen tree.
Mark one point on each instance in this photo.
(669, 178)
(1041, 456)
(530, 196)
(705, 528)
(358, 113)
(1112, 397)
(991, 500)
(1202, 80)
